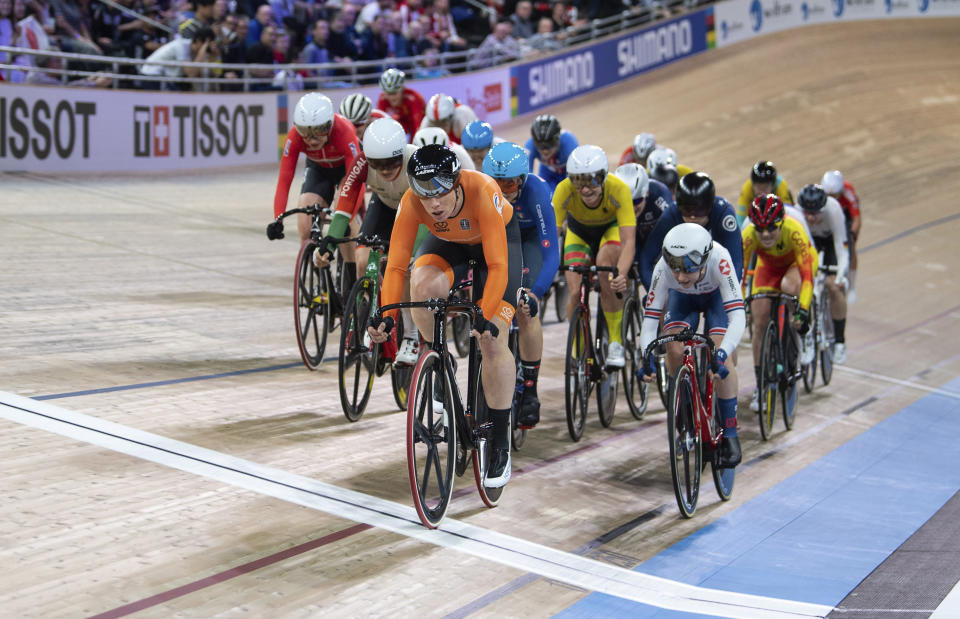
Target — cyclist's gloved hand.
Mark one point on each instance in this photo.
(275, 230)
(326, 247)
(803, 317)
(481, 324)
(531, 302)
(842, 281)
(648, 368)
(720, 364)
(388, 322)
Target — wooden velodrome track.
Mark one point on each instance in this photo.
(113, 282)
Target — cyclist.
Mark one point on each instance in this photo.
(530, 196)
(477, 139)
(763, 180)
(552, 145)
(330, 144)
(643, 145)
(786, 261)
(666, 173)
(665, 156)
(829, 231)
(358, 109)
(697, 273)
(650, 199)
(697, 202)
(468, 217)
(598, 210)
(840, 189)
(449, 114)
(404, 105)
(436, 135)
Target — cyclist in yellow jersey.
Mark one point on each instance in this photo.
(598, 210)
(763, 180)
(786, 261)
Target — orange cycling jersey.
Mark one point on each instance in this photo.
(482, 218)
(793, 247)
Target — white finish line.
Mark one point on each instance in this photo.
(387, 515)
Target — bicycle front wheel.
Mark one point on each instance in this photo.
(826, 340)
(560, 300)
(311, 307)
(519, 435)
(431, 428)
(635, 389)
(577, 374)
(358, 355)
(481, 462)
(769, 379)
(788, 391)
(685, 444)
(809, 371)
(609, 383)
(723, 478)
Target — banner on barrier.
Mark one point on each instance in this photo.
(554, 79)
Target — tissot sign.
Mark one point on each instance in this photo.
(48, 129)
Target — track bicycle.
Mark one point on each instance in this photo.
(634, 389)
(779, 362)
(586, 358)
(316, 290)
(444, 428)
(359, 359)
(821, 323)
(693, 426)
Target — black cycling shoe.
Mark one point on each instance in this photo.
(730, 454)
(529, 415)
(498, 471)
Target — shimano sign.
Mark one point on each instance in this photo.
(541, 83)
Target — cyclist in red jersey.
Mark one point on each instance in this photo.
(643, 145)
(358, 109)
(835, 186)
(406, 106)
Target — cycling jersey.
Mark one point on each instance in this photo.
(341, 149)
(657, 201)
(615, 206)
(533, 210)
(831, 229)
(554, 168)
(849, 201)
(792, 248)
(390, 191)
(725, 312)
(409, 113)
(722, 226)
(481, 220)
(746, 197)
(463, 115)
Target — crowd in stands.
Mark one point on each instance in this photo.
(337, 32)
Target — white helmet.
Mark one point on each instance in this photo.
(643, 145)
(587, 159)
(832, 182)
(661, 155)
(686, 247)
(313, 112)
(384, 139)
(356, 108)
(431, 135)
(440, 107)
(636, 179)
(392, 80)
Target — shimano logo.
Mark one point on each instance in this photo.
(654, 47)
(561, 78)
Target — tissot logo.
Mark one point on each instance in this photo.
(196, 131)
(45, 127)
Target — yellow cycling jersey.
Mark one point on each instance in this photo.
(683, 170)
(616, 205)
(792, 248)
(746, 197)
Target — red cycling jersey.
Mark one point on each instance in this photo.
(849, 201)
(627, 157)
(341, 149)
(409, 113)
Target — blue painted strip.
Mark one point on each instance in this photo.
(908, 232)
(817, 534)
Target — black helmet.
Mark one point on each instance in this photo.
(433, 170)
(666, 174)
(695, 194)
(812, 198)
(545, 130)
(764, 172)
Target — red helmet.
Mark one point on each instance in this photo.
(766, 211)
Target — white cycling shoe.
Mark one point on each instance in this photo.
(615, 358)
(840, 353)
(755, 401)
(409, 351)
(808, 350)
(498, 478)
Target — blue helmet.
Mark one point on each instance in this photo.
(506, 160)
(477, 135)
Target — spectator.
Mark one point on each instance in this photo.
(499, 46)
(261, 52)
(600, 9)
(202, 17)
(316, 52)
(398, 44)
(236, 50)
(42, 10)
(523, 26)
(442, 29)
(263, 18)
(409, 12)
(73, 28)
(417, 41)
(45, 75)
(544, 40)
(8, 36)
(339, 44)
(371, 10)
(429, 67)
(560, 16)
(196, 49)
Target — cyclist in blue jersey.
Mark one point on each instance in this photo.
(477, 139)
(531, 198)
(551, 145)
(650, 199)
(697, 203)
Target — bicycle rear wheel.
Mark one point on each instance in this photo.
(789, 392)
(358, 355)
(577, 375)
(431, 427)
(609, 384)
(685, 444)
(809, 371)
(635, 389)
(722, 478)
(827, 339)
(311, 307)
(519, 435)
(769, 378)
(481, 415)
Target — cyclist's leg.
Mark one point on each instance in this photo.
(530, 331)
(577, 250)
(319, 185)
(726, 389)
(607, 256)
(766, 279)
(438, 265)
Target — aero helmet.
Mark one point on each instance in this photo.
(392, 80)
(383, 143)
(766, 211)
(812, 198)
(636, 179)
(661, 156)
(313, 115)
(695, 194)
(686, 247)
(764, 172)
(832, 182)
(667, 174)
(545, 131)
(587, 165)
(643, 145)
(431, 135)
(356, 108)
(477, 135)
(433, 170)
(440, 107)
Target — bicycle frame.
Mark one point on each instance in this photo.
(784, 322)
(586, 284)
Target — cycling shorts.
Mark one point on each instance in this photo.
(378, 219)
(683, 311)
(321, 181)
(582, 243)
(452, 259)
(824, 245)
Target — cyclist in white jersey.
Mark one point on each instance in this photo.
(700, 278)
